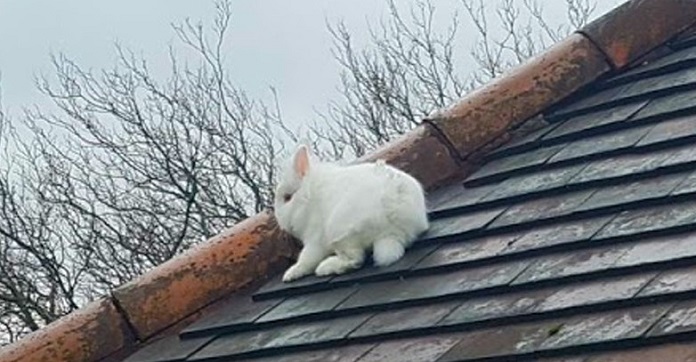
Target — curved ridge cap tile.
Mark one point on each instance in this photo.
(638, 26)
(240, 255)
(490, 111)
(422, 154)
(90, 333)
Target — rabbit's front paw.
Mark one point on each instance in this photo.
(295, 272)
(335, 265)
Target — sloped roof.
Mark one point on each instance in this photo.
(576, 242)
(490, 235)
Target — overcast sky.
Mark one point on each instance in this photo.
(276, 43)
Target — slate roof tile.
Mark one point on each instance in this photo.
(614, 141)
(421, 349)
(543, 208)
(680, 318)
(671, 282)
(646, 189)
(595, 120)
(170, 348)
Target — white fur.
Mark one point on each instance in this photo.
(340, 212)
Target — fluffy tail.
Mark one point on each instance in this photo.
(406, 205)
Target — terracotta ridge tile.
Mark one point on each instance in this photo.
(622, 33)
(90, 333)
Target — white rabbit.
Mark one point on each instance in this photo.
(340, 212)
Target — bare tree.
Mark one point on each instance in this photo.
(127, 170)
(412, 67)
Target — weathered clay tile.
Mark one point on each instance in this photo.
(422, 154)
(89, 334)
(679, 59)
(487, 113)
(226, 263)
(623, 36)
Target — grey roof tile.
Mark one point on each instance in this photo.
(534, 182)
(433, 286)
(420, 349)
(461, 223)
(625, 324)
(307, 304)
(668, 105)
(632, 222)
(460, 252)
(672, 281)
(349, 353)
(245, 343)
(515, 162)
(614, 141)
(681, 318)
(405, 319)
(651, 188)
(597, 119)
(234, 312)
(168, 349)
(543, 208)
(672, 129)
(558, 234)
(622, 165)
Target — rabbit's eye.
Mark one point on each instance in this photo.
(287, 197)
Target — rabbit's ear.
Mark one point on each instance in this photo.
(301, 161)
